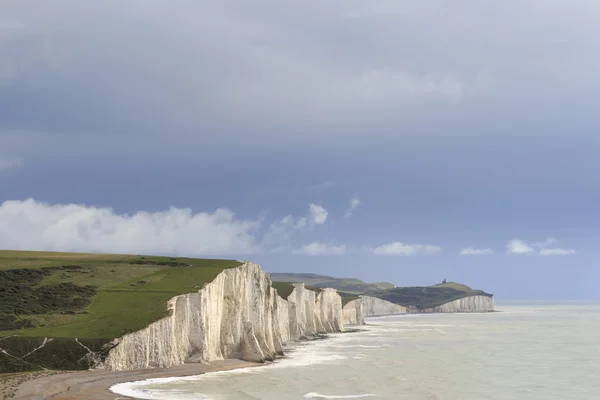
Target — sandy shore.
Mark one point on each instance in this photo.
(94, 385)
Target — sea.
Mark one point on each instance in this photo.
(524, 351)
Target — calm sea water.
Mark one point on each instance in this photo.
(525, 352)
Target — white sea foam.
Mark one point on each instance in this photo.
(135, 390)
(302, 356)
(313, 395)
(138, 389)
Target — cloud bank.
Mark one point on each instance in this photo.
(328, 71)
(518, 246)
(32, 225)
(403, 249)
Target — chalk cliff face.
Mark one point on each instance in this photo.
(329, 310)
(372, 306)
(353, 313)
(467, 304)
(288, 324)
(356, 311)
(306, 318)
(237, 315)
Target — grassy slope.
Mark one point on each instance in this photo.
(454, 285)
(122, 303)
(348, 285)
(427, 296)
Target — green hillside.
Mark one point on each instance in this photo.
(423, 297)
(91, 297)
(348, 285)
(454, 285)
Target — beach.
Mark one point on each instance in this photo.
(94, 385)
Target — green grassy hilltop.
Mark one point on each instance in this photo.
(92, 295)
(423, 297)
(56, 307)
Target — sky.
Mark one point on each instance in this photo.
(397, 141)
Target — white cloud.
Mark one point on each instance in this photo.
(10, 163)
(32, 225)
(354, 203)
(316, 248)
(318, 214)
(470, 251)
(281, 231)
(398, 248)
(517, 246)
(556, 252)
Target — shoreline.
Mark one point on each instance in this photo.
(95, 384)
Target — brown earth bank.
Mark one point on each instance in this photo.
(95, 384)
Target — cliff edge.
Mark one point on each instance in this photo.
(237, 315)
(73, 311)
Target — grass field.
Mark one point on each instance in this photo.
(454, 285)
(67, 295)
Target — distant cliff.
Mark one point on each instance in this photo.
(423, 298)
(351, 285)
(356, 311)
(237, 315)
(466, 304)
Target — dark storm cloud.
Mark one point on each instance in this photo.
(267, 71)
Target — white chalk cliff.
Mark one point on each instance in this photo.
(372, 306)
(353, 313)
(464, 305)
(356, 311)
(328, 309)
(237, 315)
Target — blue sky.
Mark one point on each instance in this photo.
(249, 131)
